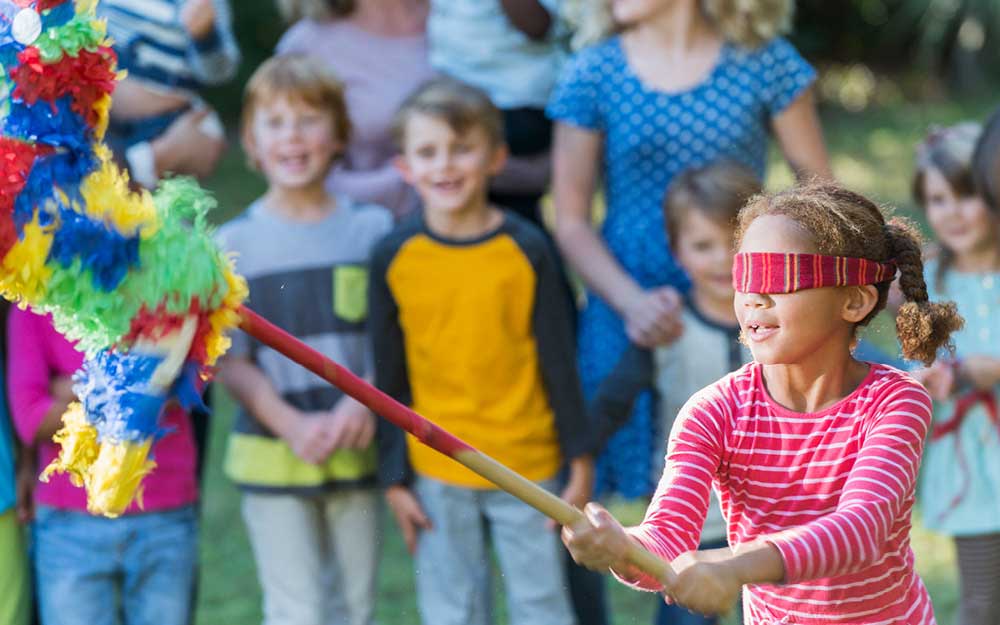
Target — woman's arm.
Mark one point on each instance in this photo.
(651, 316)
(800, 136)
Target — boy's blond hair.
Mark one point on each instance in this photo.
(297, 77)
(461, 106)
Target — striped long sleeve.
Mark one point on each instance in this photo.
(831, 490)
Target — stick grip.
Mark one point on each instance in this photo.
(432, 435)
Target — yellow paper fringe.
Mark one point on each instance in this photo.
(107, 198)
(79, 447)
(24, 274)
(112, 473)
(103, 109)
(226, 316)
(115, 478)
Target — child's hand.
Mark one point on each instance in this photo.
(61, 389)
(309, 437)
(599, 544)
(350, 426)
(653, 318)
(938, 379)
(198, 17)
(704, 583)
(409, 515)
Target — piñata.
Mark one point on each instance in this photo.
(133, 277)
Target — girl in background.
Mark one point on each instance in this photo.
(961, 475)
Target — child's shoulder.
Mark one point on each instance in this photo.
(727, 393)
(389, 245)
(526, 233)
(242, 225)
(367, 218)
(888, 381)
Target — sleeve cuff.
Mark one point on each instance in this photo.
(142, 164)
(209, 43)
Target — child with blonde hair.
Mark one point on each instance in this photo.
(301, 451)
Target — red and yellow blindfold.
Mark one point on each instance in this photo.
(774, 272)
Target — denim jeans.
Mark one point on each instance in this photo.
(134, 570)
(454, 582)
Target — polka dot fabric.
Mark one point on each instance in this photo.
(649, 137)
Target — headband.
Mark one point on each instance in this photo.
(775, 272)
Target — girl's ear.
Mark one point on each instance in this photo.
(860, 301)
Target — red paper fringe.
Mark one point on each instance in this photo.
(16, 160)
(87, 77)
(153, 325)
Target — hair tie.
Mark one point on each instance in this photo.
(776, 272)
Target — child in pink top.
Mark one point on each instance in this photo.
(147, 557)
(814, 455)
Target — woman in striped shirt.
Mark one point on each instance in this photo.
(813, 454)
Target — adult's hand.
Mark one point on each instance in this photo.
(198, 17)
(653, 317)
(187, 148)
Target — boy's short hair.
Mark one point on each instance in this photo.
(718, 190)
(461, 106)
(299, 77)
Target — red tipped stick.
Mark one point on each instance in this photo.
(432, 435)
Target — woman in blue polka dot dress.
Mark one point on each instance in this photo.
(684, 83)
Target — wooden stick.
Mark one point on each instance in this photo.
(431, 435)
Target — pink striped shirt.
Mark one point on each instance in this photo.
(832, 490)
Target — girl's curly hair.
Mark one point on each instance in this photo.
(844, 223)
(748, 23)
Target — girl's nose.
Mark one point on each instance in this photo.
(755, 300)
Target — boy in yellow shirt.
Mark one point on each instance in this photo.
(471, 328)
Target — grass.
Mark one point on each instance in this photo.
(871, 152)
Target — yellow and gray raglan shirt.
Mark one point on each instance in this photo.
(310, 279)
(477, 336)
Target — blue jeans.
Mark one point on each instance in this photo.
(453, 577)
(134, 570)
(676, 615)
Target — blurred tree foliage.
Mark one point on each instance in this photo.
(957, 41)
(927, 44)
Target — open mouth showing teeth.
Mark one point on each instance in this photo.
(760, 332)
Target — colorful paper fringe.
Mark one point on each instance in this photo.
(134, 277)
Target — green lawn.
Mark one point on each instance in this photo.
(872, 152)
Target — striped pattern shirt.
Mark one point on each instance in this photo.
(155, 48)
(831, 490)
